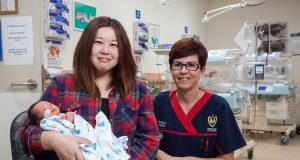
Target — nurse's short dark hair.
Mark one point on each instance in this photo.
(186, 47)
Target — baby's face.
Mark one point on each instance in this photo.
(42, 106)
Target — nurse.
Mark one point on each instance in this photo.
(194, 122)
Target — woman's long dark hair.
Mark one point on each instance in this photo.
(123, 73)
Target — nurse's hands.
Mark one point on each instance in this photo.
(161, 155)
(65, 146)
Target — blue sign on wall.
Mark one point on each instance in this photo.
(137, 14)
(186, 29)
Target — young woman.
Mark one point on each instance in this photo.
(103, 80)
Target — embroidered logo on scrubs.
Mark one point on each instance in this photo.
(212, 120)
(161, 124)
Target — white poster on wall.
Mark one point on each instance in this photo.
(17, 40)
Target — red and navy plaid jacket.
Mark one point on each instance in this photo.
(130, 116)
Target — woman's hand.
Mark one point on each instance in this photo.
(65, 146)
(70, 116)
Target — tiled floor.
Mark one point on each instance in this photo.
(269, 148)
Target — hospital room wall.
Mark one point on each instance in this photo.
(172, 18)
(222, 29)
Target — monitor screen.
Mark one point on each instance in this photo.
(262, 88)
(259, 71)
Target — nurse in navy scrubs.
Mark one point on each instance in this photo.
(194, 123)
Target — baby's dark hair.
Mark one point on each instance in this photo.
(32, 117)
